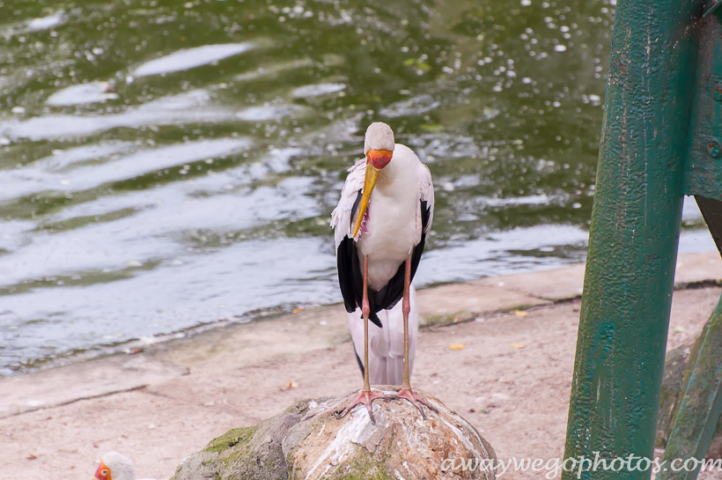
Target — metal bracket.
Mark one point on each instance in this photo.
(703, 169)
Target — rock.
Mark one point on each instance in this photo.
(309, 442)
(676, 375)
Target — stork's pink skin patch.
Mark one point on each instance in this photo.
(379, 158)
(103, 473)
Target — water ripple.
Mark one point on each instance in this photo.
(191, 58)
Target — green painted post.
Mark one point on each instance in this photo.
(633, 237)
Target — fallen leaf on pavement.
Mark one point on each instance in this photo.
(289, 386)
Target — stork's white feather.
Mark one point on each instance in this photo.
(341, 215)
(426, 194)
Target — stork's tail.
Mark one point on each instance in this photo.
(386, 344)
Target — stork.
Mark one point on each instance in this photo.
(380, 225)
(115, 466)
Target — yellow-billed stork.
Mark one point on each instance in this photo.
(381, 224)
(115, 466)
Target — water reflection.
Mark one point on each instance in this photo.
(167, 164)
(194, 57)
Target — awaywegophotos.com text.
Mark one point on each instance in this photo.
(578, 466)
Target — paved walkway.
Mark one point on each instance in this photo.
(511, 378)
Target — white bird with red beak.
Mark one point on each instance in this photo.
(381, 224)
(115, 466)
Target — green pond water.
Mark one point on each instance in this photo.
(170, 164)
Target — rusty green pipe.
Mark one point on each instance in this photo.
(634, 235)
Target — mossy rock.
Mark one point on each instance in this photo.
(308, 441)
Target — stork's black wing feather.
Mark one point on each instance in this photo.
(350, 275)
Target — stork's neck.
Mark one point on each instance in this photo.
(401, 173)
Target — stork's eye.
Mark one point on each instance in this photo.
(104, 473)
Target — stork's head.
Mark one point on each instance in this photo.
(114, 466)
(378, 148)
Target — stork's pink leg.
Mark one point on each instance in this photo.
(366, 396)
(405, 390)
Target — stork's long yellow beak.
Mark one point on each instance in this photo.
(372, 174)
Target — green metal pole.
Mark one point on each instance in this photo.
(700, 409)
(633, 239)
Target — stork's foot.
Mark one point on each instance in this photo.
(416, 400)
(366, 397)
